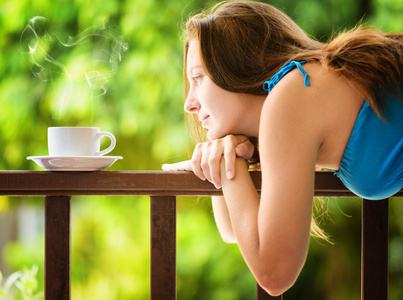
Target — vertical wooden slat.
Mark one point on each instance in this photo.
(374, 268)
(261, 294)
(57, 248)
(163, 247)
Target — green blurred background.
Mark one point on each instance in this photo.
(143, 107)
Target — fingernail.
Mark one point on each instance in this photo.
(217, 185)
(230, 175)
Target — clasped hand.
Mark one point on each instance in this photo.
(207, 157)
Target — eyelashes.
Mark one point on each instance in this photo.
(196, 79)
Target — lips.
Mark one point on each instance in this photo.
(203, 120)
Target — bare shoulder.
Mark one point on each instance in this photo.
(293, 106)
(326, 89)
(323, 113)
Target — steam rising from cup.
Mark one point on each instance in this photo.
(104, 45)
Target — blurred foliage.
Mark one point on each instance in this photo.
(25, 284)
(143, 107)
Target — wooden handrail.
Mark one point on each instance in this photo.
(163, 187)
(150, 183)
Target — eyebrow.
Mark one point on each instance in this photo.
(194, 67)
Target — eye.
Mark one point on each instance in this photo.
(196, 79)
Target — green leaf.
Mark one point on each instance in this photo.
(12, 279)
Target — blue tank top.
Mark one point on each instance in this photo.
(372, 163)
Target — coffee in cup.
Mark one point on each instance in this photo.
(78, 141)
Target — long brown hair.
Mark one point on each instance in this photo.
(245, 43)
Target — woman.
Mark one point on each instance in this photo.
(253, 72)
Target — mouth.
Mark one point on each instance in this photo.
(203, 120)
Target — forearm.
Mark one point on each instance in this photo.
(242, 201)
(222, 219)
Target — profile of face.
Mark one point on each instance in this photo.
(218, 110)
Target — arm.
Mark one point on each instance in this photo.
(222, 219)
(273, 233)
(274, 245)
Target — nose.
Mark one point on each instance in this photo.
(192, 105)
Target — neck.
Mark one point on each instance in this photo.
(252, 115)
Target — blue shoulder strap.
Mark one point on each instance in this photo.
(269, 85)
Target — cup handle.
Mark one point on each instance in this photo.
(111, 146)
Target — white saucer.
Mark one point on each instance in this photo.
(74, 163)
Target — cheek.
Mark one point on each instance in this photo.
(211, 94)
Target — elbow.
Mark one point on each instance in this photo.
(274, 287)
(228, 236)
(278, 274)
(229, 239)
(276, 284)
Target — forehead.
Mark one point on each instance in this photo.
(193, 55)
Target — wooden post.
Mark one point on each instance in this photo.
(57, 248)
(374, 265)
(163, 247)
(261, 294)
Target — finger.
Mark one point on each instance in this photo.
(205, 165)
(245, 149)
(179, 166)
(214, 165)
(229, 156)
(196, 162)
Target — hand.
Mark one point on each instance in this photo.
(206, 159)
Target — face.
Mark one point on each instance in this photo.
(218, 110)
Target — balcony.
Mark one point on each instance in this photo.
(59, 187)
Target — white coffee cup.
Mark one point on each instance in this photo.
(78, 141)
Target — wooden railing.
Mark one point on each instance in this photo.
(163, 187)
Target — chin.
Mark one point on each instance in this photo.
(215, 135)
(211, 136)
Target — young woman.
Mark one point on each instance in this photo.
(253, 73)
